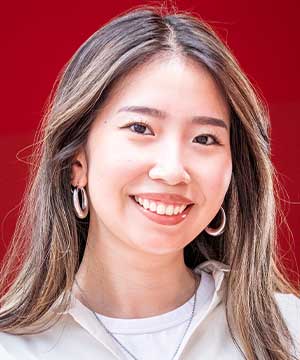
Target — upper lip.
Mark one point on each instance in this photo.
(166, 197)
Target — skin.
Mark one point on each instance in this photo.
(133, 267)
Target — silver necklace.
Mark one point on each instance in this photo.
(123, 347)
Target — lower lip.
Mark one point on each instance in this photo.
(164, 219)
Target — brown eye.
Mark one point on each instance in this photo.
(138, 127)
(207, 139)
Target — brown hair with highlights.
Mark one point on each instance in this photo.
(49, 241)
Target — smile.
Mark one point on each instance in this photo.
(162, 219)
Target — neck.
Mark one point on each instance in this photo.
(128, 284)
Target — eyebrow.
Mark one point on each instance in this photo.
(202, 120)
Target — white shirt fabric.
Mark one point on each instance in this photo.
(80, 336)
(153, 333)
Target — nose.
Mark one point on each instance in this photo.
(170, 169)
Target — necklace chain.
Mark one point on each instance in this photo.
(186, 329)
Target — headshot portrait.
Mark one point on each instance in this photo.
(149, 223)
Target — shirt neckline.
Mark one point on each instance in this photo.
(166, 320)
(84, 317)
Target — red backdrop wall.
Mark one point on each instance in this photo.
(37, 38)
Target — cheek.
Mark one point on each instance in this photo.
(109, 175)
(216, 177)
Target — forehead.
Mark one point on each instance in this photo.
(180, 87)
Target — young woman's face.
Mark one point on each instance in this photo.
(170, 154)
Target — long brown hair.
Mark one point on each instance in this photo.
(49, 241)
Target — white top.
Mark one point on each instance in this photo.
(153, 333)
(80, 336)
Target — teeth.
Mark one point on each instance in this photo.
(152, 205)
(160, 208)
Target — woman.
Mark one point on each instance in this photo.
(149, 229)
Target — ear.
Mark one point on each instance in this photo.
(79, 168)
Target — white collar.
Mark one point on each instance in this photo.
(86, 318)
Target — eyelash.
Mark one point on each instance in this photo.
(214, 137)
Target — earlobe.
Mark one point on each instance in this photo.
(79, 169)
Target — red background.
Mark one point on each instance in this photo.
(37, 38)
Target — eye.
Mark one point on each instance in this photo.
(208, 139)
(138, 127)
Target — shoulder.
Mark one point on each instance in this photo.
(289, 306)
(12, 346)
(4, 355)
(30, 344)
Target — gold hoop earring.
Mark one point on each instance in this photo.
(220, 229)
(81, 211)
